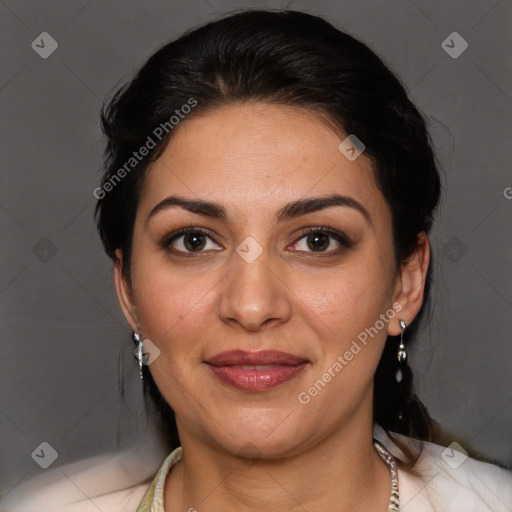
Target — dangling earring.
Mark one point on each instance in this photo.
(138, 350)
(401, 354)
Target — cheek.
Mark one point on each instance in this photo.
(170, 305)
(345, 313)
(346, 300)
(342, 311)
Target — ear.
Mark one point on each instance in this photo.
(124, 293)
(410, 284)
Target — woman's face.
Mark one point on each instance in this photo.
(252, 280)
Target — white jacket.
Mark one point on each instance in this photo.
(117, 483)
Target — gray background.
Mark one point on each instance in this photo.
(62, 330)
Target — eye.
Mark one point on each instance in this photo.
(320, 240)
(190, 240)
(196, 240)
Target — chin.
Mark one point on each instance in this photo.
(253, 447)
(263, 433)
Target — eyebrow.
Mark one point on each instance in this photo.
(289, 211)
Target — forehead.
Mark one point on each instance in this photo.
(257, 157)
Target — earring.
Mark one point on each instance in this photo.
(138, 350)
(401, 354)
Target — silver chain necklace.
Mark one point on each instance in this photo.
(394, 501)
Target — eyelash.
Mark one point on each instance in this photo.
(341, 238)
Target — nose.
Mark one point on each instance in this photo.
(254, 295)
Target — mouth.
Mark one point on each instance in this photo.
(255, 371)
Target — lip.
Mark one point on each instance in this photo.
(255, 371)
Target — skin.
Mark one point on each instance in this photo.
(293, 297)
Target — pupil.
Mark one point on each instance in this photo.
(197, 243)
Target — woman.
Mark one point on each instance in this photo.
(268, 194)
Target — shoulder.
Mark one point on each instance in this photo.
(62, 498)
(115, 482)
(449, 481)
(479, 486)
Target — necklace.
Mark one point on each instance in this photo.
(394, 502)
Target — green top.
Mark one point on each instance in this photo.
(153, 500)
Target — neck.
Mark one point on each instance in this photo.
(342, 473)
